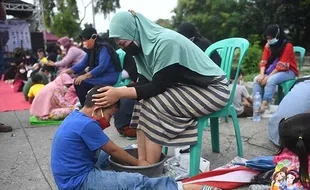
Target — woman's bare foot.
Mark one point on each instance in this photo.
(263, 106)
(198, 187)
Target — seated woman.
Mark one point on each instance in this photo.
(123, 116)
(52, 55)
(178, 83)
(28, 61)
(278, 64)
(20, 78)
(102, 60)
(295, 102)
(11, 67)
(50, 103)
(73, 55)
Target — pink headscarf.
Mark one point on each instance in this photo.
(42, 103)
(66, 42)
(71, 96)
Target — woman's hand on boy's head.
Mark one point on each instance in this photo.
(108, 96)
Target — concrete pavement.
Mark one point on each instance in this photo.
(25, 152)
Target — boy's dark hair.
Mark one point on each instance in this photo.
(294, 135)
(233, 73)
(36, 79)
(89, 97)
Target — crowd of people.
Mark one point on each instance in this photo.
(156, 86)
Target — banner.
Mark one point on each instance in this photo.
(14, 34)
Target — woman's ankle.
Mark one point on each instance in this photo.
(264, 106)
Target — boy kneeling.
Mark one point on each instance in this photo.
(80, 148)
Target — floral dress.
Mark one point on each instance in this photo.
(60, 107)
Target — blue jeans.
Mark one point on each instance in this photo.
(272, 82)
(100, 179)
(122, 117)
(295, 102)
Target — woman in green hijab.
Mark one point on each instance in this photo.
(177, 84)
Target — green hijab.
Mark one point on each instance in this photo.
(161, 47)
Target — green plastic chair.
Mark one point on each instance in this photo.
(226, 49)
(287, 85)
(121, 55)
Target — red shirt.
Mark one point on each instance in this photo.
(286, 62)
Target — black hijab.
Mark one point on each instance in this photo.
(275, 31)
(191, 32)
(93, 55)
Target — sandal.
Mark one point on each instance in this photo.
(5, 128)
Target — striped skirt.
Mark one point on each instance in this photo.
(170, 118)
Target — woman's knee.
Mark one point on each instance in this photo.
(255, 79)
(272, 80)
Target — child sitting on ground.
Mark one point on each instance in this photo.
(294, 154)
(37, 85)
(242, 100)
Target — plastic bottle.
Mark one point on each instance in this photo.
(257, 101)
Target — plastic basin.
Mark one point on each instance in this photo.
(154, 170)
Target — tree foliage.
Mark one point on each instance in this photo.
(219, 19)
(61, 17)
(164, 23)
(64, 24)
(106, 6)
(216, 19)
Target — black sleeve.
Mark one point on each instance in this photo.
(130, 67)
(216, 58)
(163, 79)
(170, 76)
(141, 80)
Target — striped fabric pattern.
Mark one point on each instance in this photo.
(205, 187)
(170, 118)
